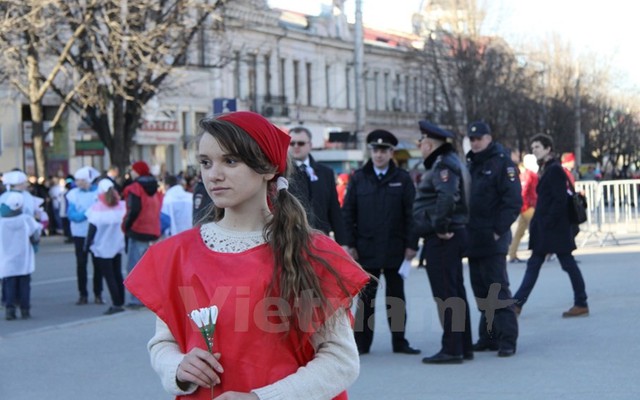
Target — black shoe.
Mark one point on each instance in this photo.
(484, 346)
(99, 300)
(362, 352)
(10, 314)
(24, 313)
(406, 349)
(114, 310)
(81, 301)
(506, 352)
(442, 358)
(134, 306)
(468, 356)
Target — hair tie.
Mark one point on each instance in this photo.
(282, 183)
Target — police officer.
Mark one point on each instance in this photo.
(495, 205)
(441, 212)
(377, 213)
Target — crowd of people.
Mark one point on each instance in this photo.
(283, 249)
(103, 215)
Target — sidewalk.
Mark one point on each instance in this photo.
(585, 358)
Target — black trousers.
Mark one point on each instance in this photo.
(498, 323)
(82, 259)
(444, 269)
(396, 309)
(111, 269)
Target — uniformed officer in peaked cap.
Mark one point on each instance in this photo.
(377, 212)
(441, 213)
(434, 131)
(381, 138)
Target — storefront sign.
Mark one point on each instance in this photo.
(89, 148)
(162, 129)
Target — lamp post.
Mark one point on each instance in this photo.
(359, 70)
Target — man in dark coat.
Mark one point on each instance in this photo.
(377, 211)
(441, 213)
(495, 205)
(314, 185)
(550, 230)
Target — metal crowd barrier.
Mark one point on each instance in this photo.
(612, 209)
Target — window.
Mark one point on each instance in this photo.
(283, 63)
(309, 84)
(267, 74)
(296, 81)
(386, 91)
(327, 84)
(348, 86)
(252, 79)
(236, 74)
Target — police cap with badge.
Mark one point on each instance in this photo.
(381, 139)
(478, 129)
(433, 131)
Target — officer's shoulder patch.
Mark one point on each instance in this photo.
(511, 173)
(444, 175)
(197, 200)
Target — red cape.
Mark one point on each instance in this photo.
(181, 274)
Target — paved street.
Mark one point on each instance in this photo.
(73, 352)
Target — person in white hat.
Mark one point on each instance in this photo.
(17, 181)
(80, 199)
(18, 231)
(105, 240)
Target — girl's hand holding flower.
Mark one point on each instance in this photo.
(200, 367)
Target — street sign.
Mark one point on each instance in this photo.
(223, 105)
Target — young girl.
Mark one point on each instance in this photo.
(105, 240)
(283, 291)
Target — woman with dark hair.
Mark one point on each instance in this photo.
(550, 230)
(283, 291)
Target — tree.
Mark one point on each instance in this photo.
(126, 56)
(29, 64)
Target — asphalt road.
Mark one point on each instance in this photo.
(74, 352)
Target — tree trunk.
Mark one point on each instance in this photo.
(37, 137)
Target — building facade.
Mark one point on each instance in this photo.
(292, 68)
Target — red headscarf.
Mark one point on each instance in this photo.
(273, 142)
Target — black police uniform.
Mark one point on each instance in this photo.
(495, 205)
(201, 202)
(442, 206)
(378, 219)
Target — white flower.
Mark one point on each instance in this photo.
(204, 317)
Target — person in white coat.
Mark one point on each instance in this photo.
(18, 233)
(105, 240)
(177, 205)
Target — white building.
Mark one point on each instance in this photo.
(292, 68)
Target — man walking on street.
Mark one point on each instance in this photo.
(441, 213)
(378, 214)
(495, 205)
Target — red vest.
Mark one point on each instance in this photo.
(181, 274)
(148, 222)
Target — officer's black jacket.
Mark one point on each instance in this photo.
(378, 216)
(495, 200)
(442, 198)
